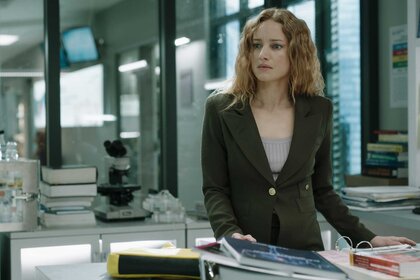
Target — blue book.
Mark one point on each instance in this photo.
(294, 262)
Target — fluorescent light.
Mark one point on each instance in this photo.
(182, 41)
(127, 135)
(21, 74)
(99, 118)
(157, 70)
(133, 66)
(6, 40)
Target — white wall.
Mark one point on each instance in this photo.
(391, 13)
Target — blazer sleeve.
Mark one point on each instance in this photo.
(327, 201)
(216, 188)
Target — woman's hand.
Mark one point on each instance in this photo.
(244, 237)
(380, 241)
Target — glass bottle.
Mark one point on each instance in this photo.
(2, 146)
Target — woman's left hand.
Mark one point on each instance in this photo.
(380, 241)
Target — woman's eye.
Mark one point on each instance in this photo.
(256, 45)
(277, 46)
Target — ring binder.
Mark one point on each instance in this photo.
(351, 249)
(346, 238)
(362, 242)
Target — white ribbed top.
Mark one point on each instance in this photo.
(277, 151)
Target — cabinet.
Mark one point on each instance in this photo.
(413, 10)
(23, 251)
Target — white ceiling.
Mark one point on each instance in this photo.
(25, 19)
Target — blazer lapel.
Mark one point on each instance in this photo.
(306, 129)
(241, 124)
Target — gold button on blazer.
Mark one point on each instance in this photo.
(237, 176)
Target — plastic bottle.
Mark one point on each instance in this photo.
(2, 146)
(11, 151)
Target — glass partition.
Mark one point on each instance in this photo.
(110, 85)
(21, 66)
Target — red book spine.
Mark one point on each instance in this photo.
(381, 265)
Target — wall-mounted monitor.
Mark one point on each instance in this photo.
(79, 44)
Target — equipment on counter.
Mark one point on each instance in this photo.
(116, 201)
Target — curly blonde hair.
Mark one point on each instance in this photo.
(305, 75)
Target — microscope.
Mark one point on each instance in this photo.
(116, 195)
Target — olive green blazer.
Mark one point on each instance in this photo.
(240, 193)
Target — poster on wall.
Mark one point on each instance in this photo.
(399, 64)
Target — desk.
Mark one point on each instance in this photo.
(399, 223)
(97, 271)
(86, 271)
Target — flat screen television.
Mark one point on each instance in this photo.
(79, 44)
(64, 62)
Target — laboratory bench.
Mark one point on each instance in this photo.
(23, 251)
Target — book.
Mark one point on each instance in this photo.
(282, 259)
(362, 180)
(385, 163)
(69, 175)
(65, 210)
(49, 202)
(399, 261)
(70, 219)
(67, 190)
(392, 156)
(174, 263)
(342, 260)
(387, 131)
(387, 147)
(398, 137)
(384, 171)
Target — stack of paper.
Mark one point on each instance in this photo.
(381, 198)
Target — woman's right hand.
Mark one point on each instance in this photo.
(244, 237)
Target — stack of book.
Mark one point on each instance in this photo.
(66, 195)
(241, 259)
(381, 198)
(388, 156)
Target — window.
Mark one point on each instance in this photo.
(225, 31)
(342, 76)
(213, 34)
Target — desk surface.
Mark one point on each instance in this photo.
(400, 218)
(85, 271)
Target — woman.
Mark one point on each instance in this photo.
(267, 141)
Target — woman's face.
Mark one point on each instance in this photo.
(270, 61)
